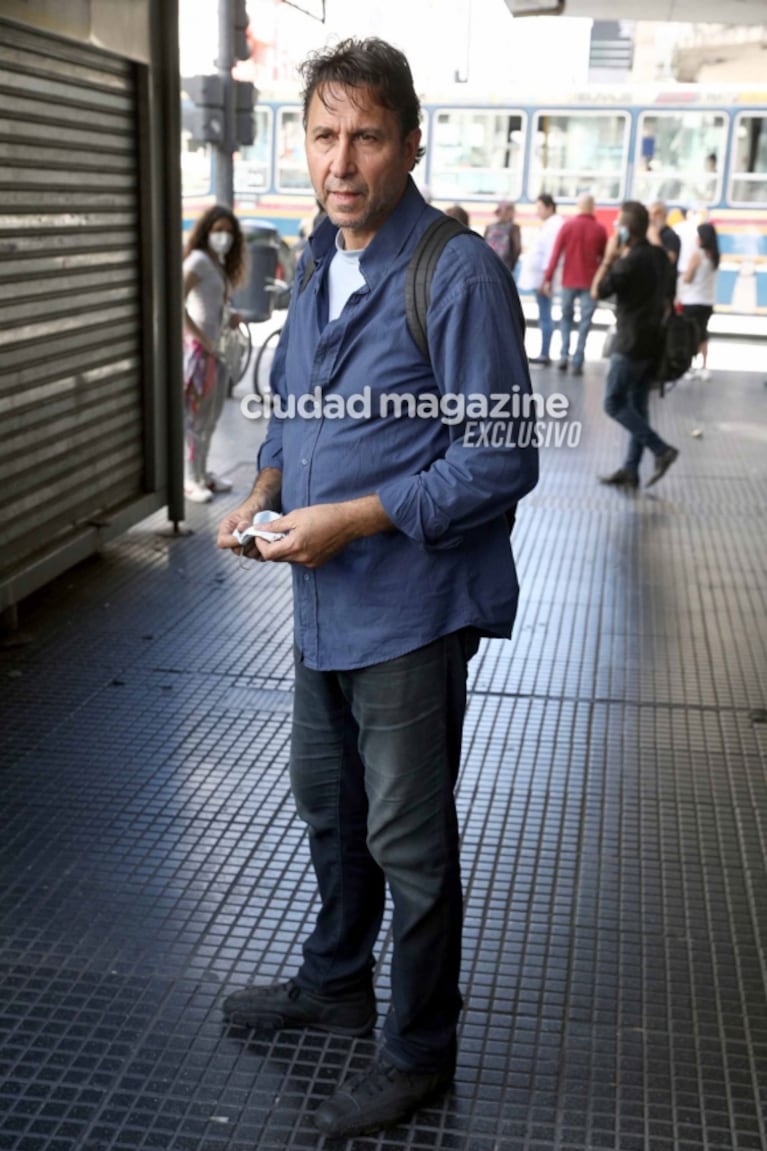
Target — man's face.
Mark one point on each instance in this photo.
(358, 161)
(541, 210)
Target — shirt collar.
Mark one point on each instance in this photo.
(388, 241)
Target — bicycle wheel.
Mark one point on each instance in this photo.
(238, 348)
(263, 364)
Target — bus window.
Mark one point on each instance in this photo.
(748, 183)
(475, 153)
(575, 152)
(678, 157)
(252, 174)
(292, 174)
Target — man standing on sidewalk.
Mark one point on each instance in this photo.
(504, 236)
(396, 533)
(534, 265)
(580, 245)
(637, 273)
(662, 234)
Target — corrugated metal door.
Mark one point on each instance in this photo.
(71, 391)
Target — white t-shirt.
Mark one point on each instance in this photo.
(687, 231)
(205, 302)
(344, 277)
(536, 259)
(702, 287)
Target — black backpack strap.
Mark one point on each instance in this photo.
(420, 273)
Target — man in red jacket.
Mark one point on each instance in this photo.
(580, 245)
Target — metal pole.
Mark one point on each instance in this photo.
(167, 296)
(224, 64)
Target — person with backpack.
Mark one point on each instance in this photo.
(393, 521)
(504, 236)
(635, 272)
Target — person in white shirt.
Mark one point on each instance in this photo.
(697, 288)
(214, 264)
(534, 266)
(687, 231)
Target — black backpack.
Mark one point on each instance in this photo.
(680, 343)
(418, 278)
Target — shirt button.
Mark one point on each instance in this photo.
(306, 577)
(304, 462)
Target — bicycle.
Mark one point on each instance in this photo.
(263, 365)
(281, 290)
(236, 350)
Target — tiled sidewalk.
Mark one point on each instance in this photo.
(613, 801)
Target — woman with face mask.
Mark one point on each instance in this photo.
(214, 264)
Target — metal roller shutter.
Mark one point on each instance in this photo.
(71, 392)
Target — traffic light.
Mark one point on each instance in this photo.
(240, 43)
(245, 96)
(204, 119)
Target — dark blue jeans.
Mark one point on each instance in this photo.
(587, 308)
(374, 760)
(627, 400)
(545, 321)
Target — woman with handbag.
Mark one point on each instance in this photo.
(214, 264)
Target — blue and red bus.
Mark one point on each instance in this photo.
(705, 151)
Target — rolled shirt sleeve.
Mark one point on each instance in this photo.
(476, 344)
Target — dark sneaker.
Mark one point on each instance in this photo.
(662, 463)
(562, 365)
(621, 479)
(285, 1005)
(577, 369)
(380, 1097)
(544, 361)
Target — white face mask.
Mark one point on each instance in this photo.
(220, 242)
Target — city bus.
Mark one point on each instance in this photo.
(704, 153)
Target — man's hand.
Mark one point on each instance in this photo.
(238, 520)
(264, 497)
(317, 533)
(613, 249)
(546, 288)
(612, 252)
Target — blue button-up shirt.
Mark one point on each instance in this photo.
(444, 485)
